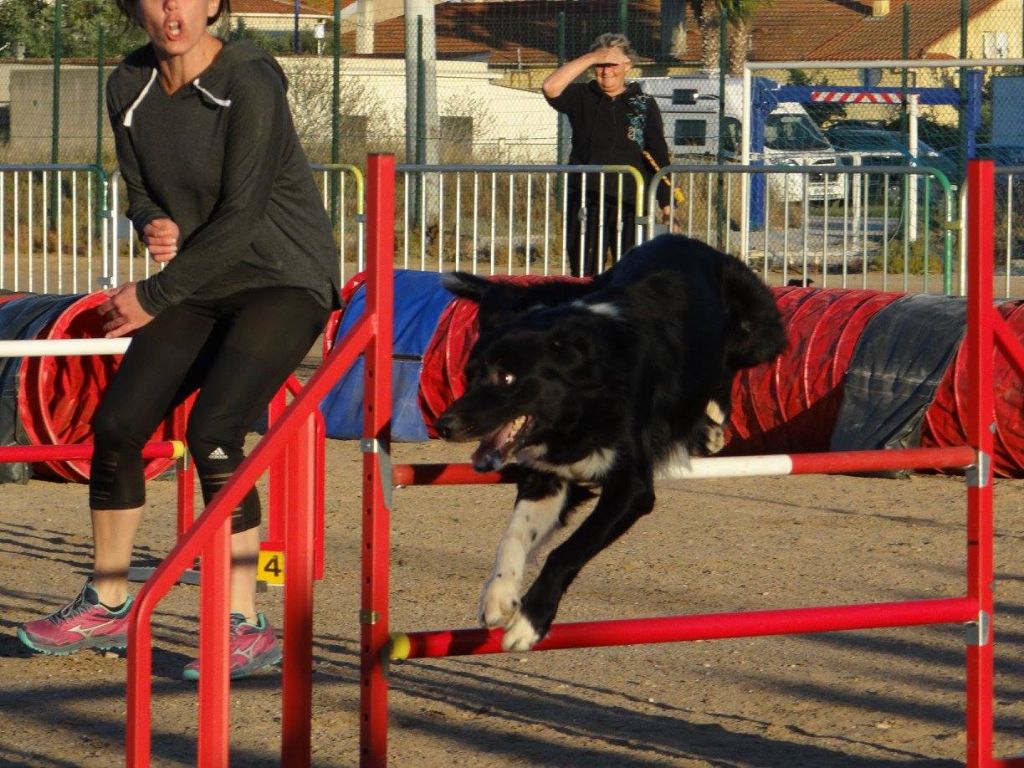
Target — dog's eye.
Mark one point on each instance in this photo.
(506, 378)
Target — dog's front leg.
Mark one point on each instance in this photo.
(625, 497)
(540, 501)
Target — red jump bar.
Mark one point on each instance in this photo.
(169, 449)
(672, 629)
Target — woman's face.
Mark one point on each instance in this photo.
(175, 27)
(611, 69)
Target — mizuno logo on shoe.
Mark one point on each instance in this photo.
(89, 631)
(217, 453)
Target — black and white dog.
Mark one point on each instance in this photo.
(600, 384)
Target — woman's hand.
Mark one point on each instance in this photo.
(161, 238)
(122, 312)
(667, 220)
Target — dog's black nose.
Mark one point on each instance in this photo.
(443, 426)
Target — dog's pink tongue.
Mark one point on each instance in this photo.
(493, 450)
(487, 458)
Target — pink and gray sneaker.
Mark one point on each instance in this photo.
(252, 648)
(82, 623)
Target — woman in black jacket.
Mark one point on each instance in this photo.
(613, 123)
(222, 195)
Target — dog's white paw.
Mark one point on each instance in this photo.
(499, 602)
(714, 439)
(520, 635)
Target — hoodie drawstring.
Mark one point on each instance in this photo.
(210, 96)
(130, 112)
(127, 122)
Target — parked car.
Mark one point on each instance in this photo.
(1004, 155)
(690, 106)
(873, 147)
(1009, 162)
(878, 147)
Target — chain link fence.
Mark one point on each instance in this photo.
(459, 82)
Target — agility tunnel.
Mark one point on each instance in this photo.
(50, 400)
(863, 369)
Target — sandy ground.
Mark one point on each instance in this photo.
(863, 698)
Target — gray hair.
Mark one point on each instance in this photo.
(614, 40)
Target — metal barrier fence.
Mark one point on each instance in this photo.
(341, 189)
(53, 227)
(883, 227)
(1009, 232)
(509, 219)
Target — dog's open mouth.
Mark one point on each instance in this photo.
(494, 449)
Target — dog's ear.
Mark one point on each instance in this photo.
(755, 332)
(466, 285)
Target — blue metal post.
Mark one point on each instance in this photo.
(763, 103)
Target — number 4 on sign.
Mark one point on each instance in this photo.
(270, 565)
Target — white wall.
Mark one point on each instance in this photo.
(509, 124)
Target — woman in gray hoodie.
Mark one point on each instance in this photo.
(222, 195)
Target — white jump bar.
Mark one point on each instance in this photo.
(62, 347)
(728, 466)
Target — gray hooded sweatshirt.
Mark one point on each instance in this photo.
(220, 157)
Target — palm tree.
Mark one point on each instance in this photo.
(740, 14)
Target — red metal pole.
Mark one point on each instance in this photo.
(673, 629)
(373, 617)
(276, 482)
(207, 526)
(184, 471)
(138, 694)
(980, 423)
(297, 668)
(320, 460)
(214, 685)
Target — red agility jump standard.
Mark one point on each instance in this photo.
(986, 330)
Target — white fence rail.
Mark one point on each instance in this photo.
(889, 227)
(53, 227)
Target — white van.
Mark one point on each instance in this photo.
(689, 109)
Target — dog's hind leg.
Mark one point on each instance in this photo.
(624, 499)
(542, 501)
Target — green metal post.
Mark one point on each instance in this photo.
(100, 60)
(421, 121)
(904, 81)
(421, 95)
(962, 112)
(560, 125)
(58, 44)
(336, 112)
(904, 114)
(624, 17)
(723, 65)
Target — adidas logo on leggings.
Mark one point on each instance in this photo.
(217, 453)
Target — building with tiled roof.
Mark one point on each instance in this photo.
(277, 16)
(524, 32)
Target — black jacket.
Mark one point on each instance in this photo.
(614, 131)
(221, 158)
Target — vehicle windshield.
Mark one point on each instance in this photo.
(793, 132)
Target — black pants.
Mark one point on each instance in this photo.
(614, 243)
(237, 352)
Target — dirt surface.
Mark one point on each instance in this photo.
(863, 698)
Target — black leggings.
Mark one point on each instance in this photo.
(237, 352)
(593, 261)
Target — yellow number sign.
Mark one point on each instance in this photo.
(270, 566)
